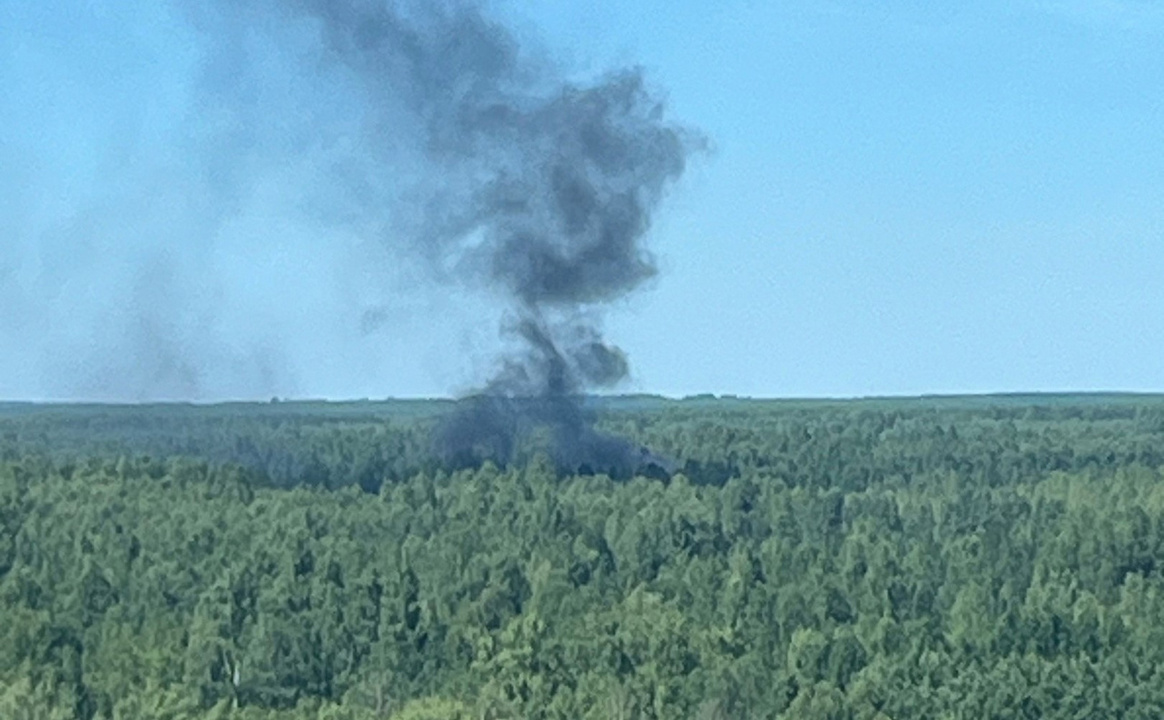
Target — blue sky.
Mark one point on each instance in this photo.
(905, 199)
(900, 200)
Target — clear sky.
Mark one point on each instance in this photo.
(901, 199)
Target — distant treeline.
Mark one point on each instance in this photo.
(846, 444)
(865, 560)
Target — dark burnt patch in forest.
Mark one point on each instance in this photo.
(505, 430)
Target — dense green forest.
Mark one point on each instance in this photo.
(984, 557)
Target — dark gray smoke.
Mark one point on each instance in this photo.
(353, 139)
(539, 188)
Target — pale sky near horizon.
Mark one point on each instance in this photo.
(902, 199)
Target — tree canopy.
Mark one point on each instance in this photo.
(944, 558)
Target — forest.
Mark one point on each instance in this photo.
(994, 557)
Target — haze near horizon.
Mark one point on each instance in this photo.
(896, 201)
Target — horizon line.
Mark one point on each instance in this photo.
(305, 400)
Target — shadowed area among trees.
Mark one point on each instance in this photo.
(985, 557)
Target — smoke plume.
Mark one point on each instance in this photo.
(431, 130)
(537, 188)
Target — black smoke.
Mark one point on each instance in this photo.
(504, 175)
